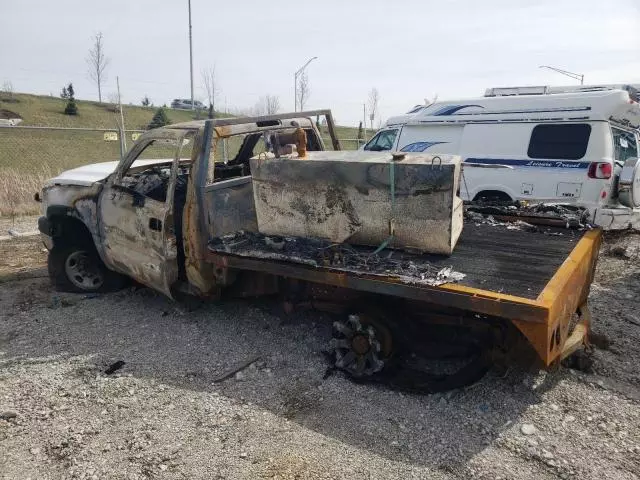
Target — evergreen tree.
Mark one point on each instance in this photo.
(71, 108)
(160, 119)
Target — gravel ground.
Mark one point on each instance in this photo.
(165, 415)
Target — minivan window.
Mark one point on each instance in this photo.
(624, 144)
(382, 141)
(563, 141)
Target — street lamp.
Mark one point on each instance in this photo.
(295, 83)
(190, 54)
(575, 76)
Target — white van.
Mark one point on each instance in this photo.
(574, 145)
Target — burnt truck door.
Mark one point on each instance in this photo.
(136, 209)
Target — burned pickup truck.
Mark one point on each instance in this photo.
(184, 213)
(108, 221)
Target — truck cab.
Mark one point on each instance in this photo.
(149, 216)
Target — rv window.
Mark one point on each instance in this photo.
(624, 144)
(382, 141)
(563, 141)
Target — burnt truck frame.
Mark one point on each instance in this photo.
(112, 228)
(112, 231)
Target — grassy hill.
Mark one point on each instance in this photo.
(44, 111)
(30, 156)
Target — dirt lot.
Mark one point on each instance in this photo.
(163, 415)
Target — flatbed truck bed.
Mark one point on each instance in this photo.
(537, 280)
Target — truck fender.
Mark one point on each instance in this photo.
(65, 224)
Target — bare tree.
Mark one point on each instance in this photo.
(7, 88)
(266, 105)
(98, 63)
(304, 91)
(374, 98)
(211, 86)
(271, 104)
(113, 102)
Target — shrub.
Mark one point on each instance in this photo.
(71, 108)
(160, 119)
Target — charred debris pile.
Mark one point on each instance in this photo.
(535, 218)
(407, 266)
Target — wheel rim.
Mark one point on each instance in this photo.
(82, 270)
(357, 348)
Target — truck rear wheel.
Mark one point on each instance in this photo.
(78, 268)
(429, 358)
(361, 345)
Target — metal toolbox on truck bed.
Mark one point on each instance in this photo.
(363, 198)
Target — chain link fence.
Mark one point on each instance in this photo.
(31, 155)
(351, 143)
(29, 149)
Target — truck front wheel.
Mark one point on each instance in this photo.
(79, 269)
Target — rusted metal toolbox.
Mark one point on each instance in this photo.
(405, 201)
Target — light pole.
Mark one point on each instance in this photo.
(190, 54)
(295, 83)
(575, 76)
(364, 119)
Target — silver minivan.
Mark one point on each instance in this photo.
(185, 104)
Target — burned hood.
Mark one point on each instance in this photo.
(87, 175)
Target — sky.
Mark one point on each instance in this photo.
(409, 50)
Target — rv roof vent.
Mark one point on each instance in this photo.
(506, 91)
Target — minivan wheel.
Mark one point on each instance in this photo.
(79, 269)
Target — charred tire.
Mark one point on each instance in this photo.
(78, 268)
(360, 346)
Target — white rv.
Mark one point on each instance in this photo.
(574, 145)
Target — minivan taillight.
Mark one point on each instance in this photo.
(600, 170)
